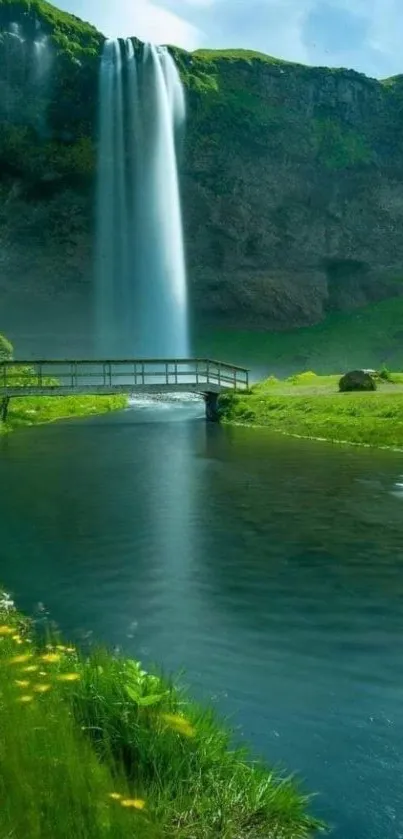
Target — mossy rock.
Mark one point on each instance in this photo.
(356, 380)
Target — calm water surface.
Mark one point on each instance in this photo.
(270, 569)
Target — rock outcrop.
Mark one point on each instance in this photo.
(292, 181)
(356, 380)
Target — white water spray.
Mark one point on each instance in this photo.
(141, 277)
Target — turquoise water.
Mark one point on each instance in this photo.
(271, 570)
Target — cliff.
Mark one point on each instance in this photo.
(292, 181)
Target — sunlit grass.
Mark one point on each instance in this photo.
(34, 410)
(96, 747)
(311, 406)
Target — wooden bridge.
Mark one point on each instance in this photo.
(131, 376)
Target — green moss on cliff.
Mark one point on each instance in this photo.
(339, 146)
(369, 337)
(70, 34)
(240, 55)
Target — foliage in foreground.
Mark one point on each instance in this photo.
(96, 747)
(310, 406)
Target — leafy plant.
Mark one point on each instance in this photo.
(6, 349)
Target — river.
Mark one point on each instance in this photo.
(269, 569)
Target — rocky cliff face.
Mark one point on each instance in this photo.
(292, 181)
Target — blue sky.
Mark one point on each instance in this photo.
(363, 34)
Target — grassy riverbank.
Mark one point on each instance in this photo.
(311, 406)
(35, 410)
(93, 747)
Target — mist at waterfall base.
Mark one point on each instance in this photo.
(140, 288)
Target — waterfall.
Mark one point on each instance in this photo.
(26, 75)
(43, 58)
(141, 300)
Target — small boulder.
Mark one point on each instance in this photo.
(357, 380)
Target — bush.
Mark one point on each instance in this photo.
(6, 349)
(385, 375)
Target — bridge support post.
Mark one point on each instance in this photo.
(4, 403)
(212, 411)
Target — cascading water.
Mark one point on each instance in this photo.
(27, 59)
(141, 296)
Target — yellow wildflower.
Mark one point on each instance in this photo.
(26, 698)
(6, 630)
(180, 724)
(30, 669)
(69, 677)
(51, 658)
(42, 688)
(115, 795)
(137, 803)
(22, 683)
(20, 659)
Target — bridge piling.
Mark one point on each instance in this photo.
(4, 403)
(212, 412)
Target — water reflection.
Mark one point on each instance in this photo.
(270, 569)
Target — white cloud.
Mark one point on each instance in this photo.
(145, 19)
(277, 27)
(150, 22)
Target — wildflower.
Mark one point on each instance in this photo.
(6, 630)
(70, 650)
(22, 683)
(51, 658)
(20, 659)
(61, 648)
(17, 639)
(69, 677)
(25, 699)
(42, 688)
(180, 724)
(32, 668)
(115, 795)
(137, 803)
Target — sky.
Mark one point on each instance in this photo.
(365, 35)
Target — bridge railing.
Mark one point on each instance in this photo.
(47, 376)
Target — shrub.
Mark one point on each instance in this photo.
(6, 349)
(385, 375)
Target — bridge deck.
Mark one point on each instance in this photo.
(66, 378)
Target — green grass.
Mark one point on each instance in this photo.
(241, 55)
(111, 728)
(34, 410)
(368, 337)
(311, 406)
